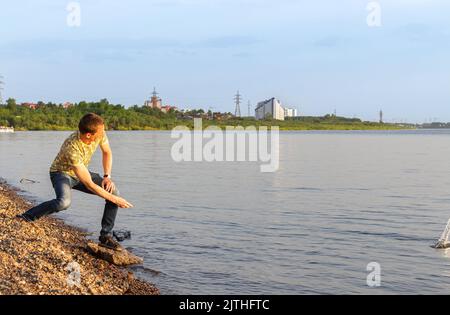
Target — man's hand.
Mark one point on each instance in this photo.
(85, 177)
(122, 203)
(108, 185)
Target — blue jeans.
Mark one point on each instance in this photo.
(63, 184)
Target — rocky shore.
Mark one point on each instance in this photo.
(49, 257)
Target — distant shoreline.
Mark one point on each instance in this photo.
(321, 128)
(55, 117)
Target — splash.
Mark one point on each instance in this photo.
(443, 240)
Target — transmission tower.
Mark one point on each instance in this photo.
(1, 89)
(155, 94)
(381, 116)
(237, 99)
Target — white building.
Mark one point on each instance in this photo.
(271, 108)
(290, 112)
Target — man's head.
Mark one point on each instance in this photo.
(92, 127)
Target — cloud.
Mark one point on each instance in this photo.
(116, 49)
(228, 41)
(328, 42)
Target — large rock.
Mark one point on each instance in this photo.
(119, 258)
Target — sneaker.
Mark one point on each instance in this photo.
(109, 242)
(24, 217)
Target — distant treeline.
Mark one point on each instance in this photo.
(50, 116)
(327, 122)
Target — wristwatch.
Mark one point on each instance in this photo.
(107, 176)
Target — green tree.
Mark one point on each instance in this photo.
(11, 104)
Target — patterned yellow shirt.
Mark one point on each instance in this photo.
(75, 152)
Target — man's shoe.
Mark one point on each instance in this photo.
(109, 242)
(23, 217)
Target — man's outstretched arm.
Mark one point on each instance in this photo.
(85, 177)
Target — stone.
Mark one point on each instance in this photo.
(118, 258)
(121, 235)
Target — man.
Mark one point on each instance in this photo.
(70, 170)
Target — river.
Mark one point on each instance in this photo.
(339, 201)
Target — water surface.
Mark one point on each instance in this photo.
(339, 201)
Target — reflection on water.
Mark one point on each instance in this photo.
(339, 201)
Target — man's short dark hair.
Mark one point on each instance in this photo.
(90, 123)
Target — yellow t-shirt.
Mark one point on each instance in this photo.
(75, 152)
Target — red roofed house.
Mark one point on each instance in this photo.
(167, 108)
(30, 105)
(66, 105)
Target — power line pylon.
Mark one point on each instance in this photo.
(237, 99)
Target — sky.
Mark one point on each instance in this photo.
(317, 56)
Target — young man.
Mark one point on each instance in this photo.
(70, 170)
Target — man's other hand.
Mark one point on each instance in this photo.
(108, 185)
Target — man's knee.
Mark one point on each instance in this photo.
(63, 204)
(116, 192)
